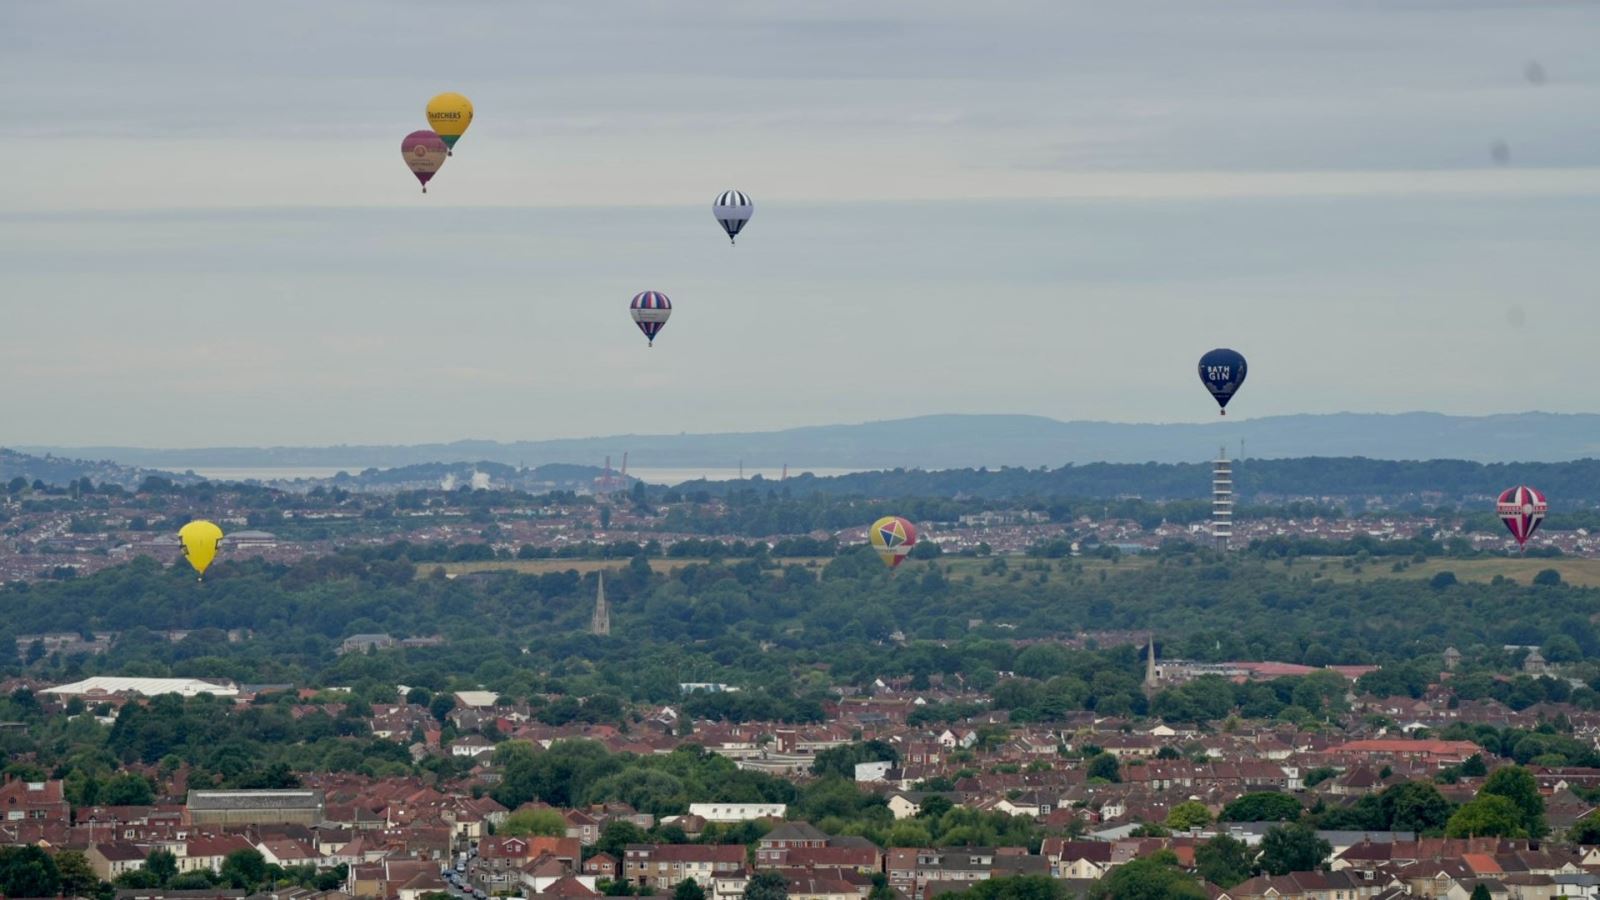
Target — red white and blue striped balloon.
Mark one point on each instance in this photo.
(1522, 509)
(733, 209)
(650, 311)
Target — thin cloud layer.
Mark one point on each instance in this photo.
(1030, 207)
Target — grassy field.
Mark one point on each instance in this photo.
(1582, 572)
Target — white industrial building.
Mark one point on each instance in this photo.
(102, 685)
(737, 812)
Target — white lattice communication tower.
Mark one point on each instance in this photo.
(1222, 499)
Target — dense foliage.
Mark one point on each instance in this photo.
(772, 629)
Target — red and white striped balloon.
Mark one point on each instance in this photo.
(1522, 509)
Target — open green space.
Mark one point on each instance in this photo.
(1574, 571)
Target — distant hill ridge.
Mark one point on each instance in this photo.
(1410, 483)
(959, 441)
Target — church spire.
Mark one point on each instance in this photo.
(601, 623)
(1150, 664)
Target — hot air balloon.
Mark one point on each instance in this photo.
(1222, 372)
(424, 152)
(651, 310)
(1522, 509)
(893, 538)
(733, 209)
(200, 542)
(449, 115)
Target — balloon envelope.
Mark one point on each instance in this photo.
(1522, 509)
(200, 541)
(1222, 372)
(650, 311)
(449, 115)
(893, 538)
(424, 153)
(733, 209)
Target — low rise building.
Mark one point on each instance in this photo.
(291, 807)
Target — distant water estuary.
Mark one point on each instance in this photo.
(652, 476)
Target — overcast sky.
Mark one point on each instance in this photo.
(208, 237)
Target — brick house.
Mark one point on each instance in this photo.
(109, 860)
(773, 850)
(34, 801)
(601, 865)
(665, 865)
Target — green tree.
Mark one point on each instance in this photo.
(1224, 861)
(1104, 765)
(617, 835)
(842, 760)
(1489, 815)
(244, 869)
(137, 879)
(1481, 892)
(1319, 775)
(880, 888)
(1414, 806)
(1584, 831)
(1517, 785)
(1292, 848)
(127, 790)
(1015, 887)
(767, 886)
(1265, 806)
(934, 807)
(77, 876)
(689, 889)
(1153, 877)
(544, 822)
(1188, 814)
(163, 865)
(909, 833)
(441, 706)
(28, 872)
(201, 879)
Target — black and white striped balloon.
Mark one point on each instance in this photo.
(733, 209)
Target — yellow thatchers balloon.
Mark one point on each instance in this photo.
(200, 540)
(449, 115)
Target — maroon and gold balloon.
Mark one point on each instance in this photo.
(424, 153)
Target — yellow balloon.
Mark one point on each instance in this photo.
(449, 115)
(200, 541)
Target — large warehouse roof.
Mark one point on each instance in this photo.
(149, 687)
(242, 800)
